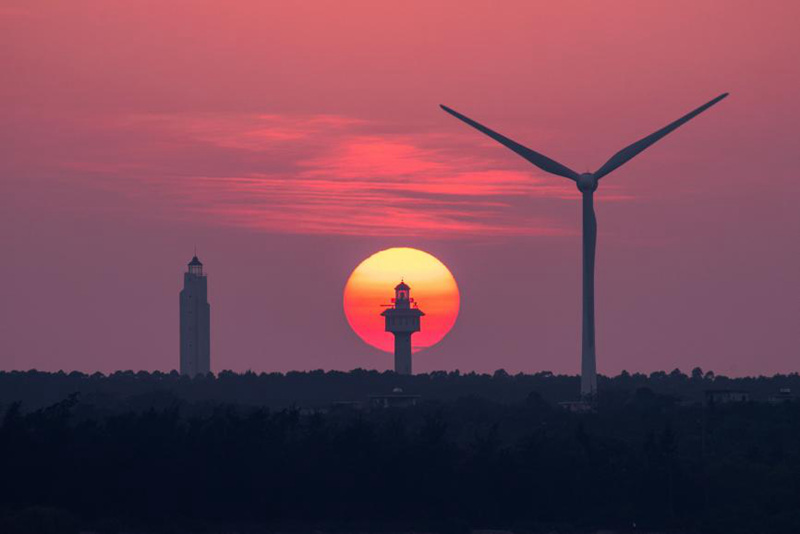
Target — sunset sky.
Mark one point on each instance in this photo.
(289, 141)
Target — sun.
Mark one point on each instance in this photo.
(371, 285)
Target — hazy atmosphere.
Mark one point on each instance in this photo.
(288, 144)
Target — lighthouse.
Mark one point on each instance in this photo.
(195, 322)
(402, 320)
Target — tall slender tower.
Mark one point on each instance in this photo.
(195, 322)
(402, 320)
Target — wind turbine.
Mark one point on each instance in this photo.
(587, 184)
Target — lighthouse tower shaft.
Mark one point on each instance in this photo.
(402, 320)
(195, 322)
(402, 353)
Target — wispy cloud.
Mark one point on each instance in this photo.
(326, 174)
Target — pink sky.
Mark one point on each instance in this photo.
(290, 140)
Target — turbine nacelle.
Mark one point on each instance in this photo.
(586, 182)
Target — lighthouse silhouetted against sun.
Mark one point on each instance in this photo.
(402, 320)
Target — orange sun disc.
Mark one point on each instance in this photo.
(371, 285)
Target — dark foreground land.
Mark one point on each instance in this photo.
(159, 453)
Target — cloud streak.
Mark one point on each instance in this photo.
(320, 174)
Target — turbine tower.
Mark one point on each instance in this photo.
(587, 184)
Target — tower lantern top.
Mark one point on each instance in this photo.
(196, 267)
(401, 295)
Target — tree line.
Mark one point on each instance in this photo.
(645, 461)
(129, 389)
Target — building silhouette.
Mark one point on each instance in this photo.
(726, 396)
(395, 399)
(402, 320)
(195, 321)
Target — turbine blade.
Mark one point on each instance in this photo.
(589, 251)
(541, 161)
(627, 153)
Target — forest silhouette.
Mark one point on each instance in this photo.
(156, 452)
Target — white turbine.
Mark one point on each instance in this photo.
(587, 184)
